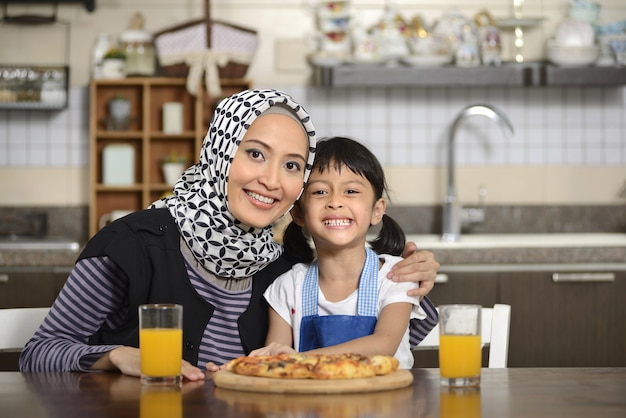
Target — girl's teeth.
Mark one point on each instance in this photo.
(337, 222)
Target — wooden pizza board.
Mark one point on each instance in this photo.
(230, 380)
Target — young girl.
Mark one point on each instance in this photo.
(208, 247)
(341, 302)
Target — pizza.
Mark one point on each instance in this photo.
(314, 366)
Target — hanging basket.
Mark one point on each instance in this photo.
(192, 37)
(200, 35)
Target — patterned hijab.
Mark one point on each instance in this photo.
(220, 243)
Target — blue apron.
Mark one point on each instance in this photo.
(324, 331)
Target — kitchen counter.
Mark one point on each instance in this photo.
(504, 250)
(501, 250)
(30, 252)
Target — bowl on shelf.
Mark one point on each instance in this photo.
(573, 56)
(574, 32)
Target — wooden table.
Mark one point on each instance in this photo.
(527, 392)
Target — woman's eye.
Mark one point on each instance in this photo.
(255, 154)
(293, 166)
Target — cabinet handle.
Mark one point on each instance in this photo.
(582, 277)
(4, 278)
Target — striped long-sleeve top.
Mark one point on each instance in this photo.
(94, 295)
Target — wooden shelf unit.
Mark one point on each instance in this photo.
(145, 134)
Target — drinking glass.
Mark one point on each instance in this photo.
(460, 345)
(161, 344)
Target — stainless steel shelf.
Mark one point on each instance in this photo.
(585, 76)
(509, 74)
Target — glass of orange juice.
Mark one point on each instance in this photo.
(459, 345)
(161, 344)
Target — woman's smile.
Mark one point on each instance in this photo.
(261, 199)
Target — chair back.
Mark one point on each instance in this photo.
(17, 326)
(494, 334)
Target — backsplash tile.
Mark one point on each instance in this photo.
(519, 219)
(403, 126)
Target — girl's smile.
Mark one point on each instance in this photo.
(338, 207)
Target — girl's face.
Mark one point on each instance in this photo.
(338, 207)
(267, 172)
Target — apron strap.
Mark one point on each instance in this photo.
(367, 301)
(310, 291)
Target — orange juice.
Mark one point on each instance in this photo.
(161, 351)
(161, 403)
(459, 403)
(459, 356)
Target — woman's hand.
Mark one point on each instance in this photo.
(272, 349)
(191, 372)
(417, 266)
(212, 367)
(127, 361)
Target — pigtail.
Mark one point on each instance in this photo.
(296, 244)
(391, 238)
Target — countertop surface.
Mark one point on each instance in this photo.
(514, 249)
(606, 249)
(38, 251)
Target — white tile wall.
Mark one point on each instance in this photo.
(553, 126)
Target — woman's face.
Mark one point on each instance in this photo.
(267, 172)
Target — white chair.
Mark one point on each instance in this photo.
(17, 325)
(494, 334)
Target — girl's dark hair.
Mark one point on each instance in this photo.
(337, 153)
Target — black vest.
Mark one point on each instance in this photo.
(146, 246)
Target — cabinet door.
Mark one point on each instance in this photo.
(565, 324)
(470, 288)
(30, 289)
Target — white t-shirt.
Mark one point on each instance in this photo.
(285, 297)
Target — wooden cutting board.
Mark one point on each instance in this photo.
(229, 380)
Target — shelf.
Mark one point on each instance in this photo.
(149, 143)
(180, 136)
(509, 74)
(119, 135)
(111, 188)
(33, 105)
(33, 87)
(586, 76)
(380, 75)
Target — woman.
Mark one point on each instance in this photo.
(208, 247)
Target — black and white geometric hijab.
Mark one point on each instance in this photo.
(218, 241)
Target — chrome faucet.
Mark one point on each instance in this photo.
(452, 211)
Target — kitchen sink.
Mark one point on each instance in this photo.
(27, 242)
(432, 241)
